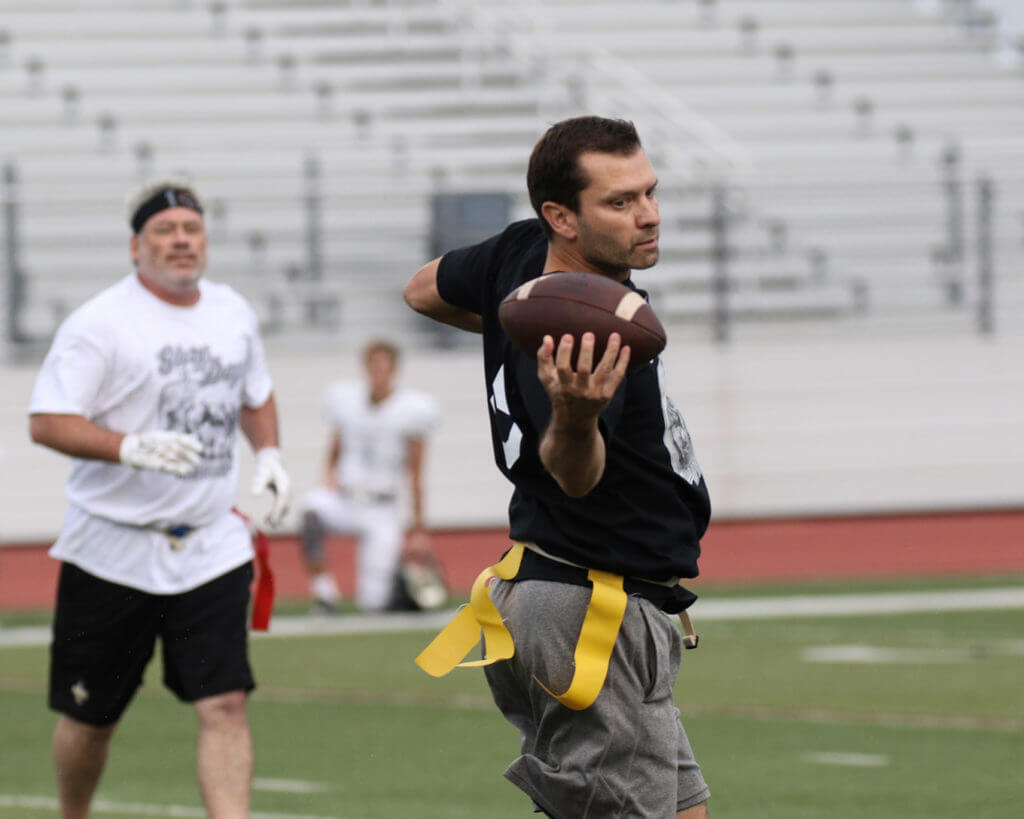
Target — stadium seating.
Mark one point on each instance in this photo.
(847, 109)
(825, 123)
(260, 89)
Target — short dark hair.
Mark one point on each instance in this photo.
(554, 173)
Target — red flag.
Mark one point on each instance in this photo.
(263, 598)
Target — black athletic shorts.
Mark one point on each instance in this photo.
(104, 635)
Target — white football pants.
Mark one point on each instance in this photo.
(379, 532)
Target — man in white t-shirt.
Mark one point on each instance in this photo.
(377, 446)
(145, 387)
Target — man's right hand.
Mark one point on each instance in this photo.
(162, 450)
(578, 397)
(572, 448)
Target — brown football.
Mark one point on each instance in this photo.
(576, 303)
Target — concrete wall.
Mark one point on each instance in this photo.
(781, 428)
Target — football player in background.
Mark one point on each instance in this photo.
(376, 452)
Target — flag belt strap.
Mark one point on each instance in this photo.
(593, 648)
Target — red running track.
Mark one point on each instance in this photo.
(968, 543)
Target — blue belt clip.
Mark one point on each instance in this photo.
(176, 533)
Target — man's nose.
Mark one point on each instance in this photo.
(647, 215)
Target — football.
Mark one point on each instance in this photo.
(558, 303)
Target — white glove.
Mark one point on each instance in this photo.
(162, 450)
(270, 475)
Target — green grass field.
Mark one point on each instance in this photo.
(930, 725)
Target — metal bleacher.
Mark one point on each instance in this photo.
(799, 145)
(849, 110)
(269, 107)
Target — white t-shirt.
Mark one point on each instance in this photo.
(130, 362)
(374, 437)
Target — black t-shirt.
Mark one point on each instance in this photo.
(648, 512)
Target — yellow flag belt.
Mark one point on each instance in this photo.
(593, 649)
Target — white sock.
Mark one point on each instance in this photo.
(324, 588)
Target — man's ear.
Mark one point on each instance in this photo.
(133, 246)
(561, 219)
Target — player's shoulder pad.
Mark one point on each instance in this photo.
(344, 392)
(419, 409)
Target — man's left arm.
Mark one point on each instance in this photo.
(260, 427)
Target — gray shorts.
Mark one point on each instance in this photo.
(626, 755)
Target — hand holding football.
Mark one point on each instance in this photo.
(576, 303)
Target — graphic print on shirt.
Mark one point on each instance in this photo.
(512, 439)
(201, 399)
(677, 438)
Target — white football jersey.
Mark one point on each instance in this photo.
(374, 437)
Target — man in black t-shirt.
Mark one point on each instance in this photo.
(609, 503)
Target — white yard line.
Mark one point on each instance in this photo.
(914, 655)
(846, 759)
(743, 608)
(311, 626)
(842, 605)
(263, 783)
(139, 808)
(24, 636)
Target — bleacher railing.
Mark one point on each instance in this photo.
(595, 80)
